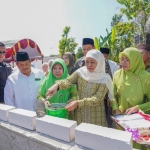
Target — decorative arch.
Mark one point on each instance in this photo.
(26, 45)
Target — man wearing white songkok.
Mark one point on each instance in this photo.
(93, 84)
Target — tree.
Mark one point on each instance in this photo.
(66, 44)
(118, 39)
(79, 53)
(133, 7)
(116, 19)
(103, 41)
(124, 38)
(136, 11)
(124, 34)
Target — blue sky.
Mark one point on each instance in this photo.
(44, 20)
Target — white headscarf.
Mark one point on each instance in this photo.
(49, 62)
(99, 75)
(45, 63)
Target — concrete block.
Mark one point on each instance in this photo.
(59, 128)
(4, 111)
(102, 138)
(23, 118)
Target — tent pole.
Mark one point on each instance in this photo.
(12, 61)
(42, 59)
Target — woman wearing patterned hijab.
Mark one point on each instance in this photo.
(93, 84)
(69, 60)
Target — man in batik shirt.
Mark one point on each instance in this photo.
(111, 66)
(87, 45)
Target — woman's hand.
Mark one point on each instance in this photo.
(52, 91)
(46, 73)
(132, 110)
(117, 112)
(72, 106)
(47, 103)
(71, 100)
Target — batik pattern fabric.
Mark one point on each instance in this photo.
(79, 63)
(108, 109)
(91, 100)
(108, 69)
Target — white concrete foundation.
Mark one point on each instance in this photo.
(102, 138)
(23, 118)
(59, 128)
(4, 109)
(16, 138)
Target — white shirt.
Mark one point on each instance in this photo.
(15, 69)
(21, 91)
(113, 66)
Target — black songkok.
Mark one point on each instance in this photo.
(104, 50)
(22, 56)
(88, 41)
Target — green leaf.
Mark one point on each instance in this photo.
(113, 36)
(96, 43)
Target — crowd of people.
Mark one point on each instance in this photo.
(93, 87)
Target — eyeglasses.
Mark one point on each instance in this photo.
(2, 53)
(124, 60)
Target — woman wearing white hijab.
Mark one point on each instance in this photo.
(93, 84)
(45, 68)
(50, 63)
(49, 67)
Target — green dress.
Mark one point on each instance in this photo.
(62, 96)
(132, 88)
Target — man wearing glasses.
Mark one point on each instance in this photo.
(5, 71)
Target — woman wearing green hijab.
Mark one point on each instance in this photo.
(131, 84)
(58, 72)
